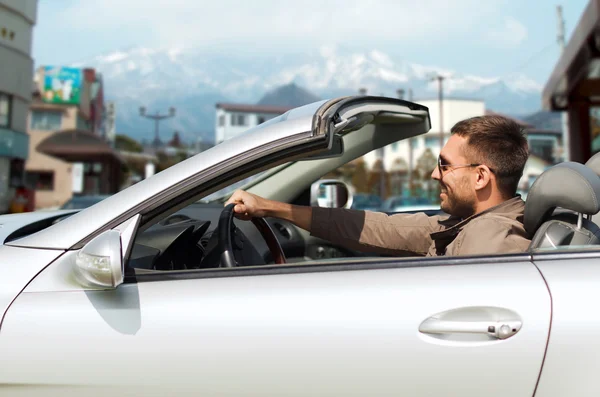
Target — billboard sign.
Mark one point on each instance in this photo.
(62, 85)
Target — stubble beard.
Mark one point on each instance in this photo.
(460, 201)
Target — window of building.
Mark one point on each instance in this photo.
(261, 119)
(238, 119)
(17, 172)
(395, 147)
(5, 109)
(221, 120)
(543, 148)
(40, 180)
(46, 120)
(432, 142)
(414, 143)
(82, 124)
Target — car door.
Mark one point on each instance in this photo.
(571, 365)
(425, 327)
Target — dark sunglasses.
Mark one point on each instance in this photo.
(443, 167)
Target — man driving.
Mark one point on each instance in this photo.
(478, 172)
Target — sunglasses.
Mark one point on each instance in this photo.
(442, 167)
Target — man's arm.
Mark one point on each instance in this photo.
(378, 232)
(249, 205)
(358, 230)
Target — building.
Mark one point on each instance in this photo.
(574, 85)
(417, 156)
(17, 18)
(68, 150)
(455, 109)
(414, 159)
(233, 119)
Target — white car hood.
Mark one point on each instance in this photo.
(12, 222)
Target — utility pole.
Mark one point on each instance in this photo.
(400, 93)
(110, 114)
(440, 79)
(560, 38)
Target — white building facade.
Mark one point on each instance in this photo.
(17, 18)
(233, 119)
(406, 153)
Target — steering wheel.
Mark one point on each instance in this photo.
(227, 229)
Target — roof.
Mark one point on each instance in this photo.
(518, 121)
(446, 98)
(38, 105)
(575, 63)
(77, 145)
(246, 108)
(536, 131)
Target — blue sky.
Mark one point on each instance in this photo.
(490, 38)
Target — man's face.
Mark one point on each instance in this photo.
(455, 176)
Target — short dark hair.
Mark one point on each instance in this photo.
(498, 142)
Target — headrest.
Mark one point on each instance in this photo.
(569, 185)
(594, 163)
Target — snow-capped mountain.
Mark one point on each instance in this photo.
(194, 80)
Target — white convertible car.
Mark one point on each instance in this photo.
(157, 290)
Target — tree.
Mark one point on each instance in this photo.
(176, 140)
(359, 176)
(378, 181)
(425, 165)
(127, 144)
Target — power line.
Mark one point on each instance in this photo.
(531, 59)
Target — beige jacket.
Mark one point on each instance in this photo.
(498, 230)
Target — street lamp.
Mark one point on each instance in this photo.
(440, 79)
(157, 119)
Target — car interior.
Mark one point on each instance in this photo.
(189, 237)
(558, 214)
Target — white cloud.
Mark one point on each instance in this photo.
(265, 22)
(508, 35)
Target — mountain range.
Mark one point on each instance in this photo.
(194, 80)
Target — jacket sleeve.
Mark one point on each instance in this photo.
(377, 232)
(489, 236)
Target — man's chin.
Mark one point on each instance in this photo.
(444, 206)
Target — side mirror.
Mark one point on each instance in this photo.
(100, 263)
(330, 193)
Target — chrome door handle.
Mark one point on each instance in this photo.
(499, 329)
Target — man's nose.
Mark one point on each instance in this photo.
(435, 174)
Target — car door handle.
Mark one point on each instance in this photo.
(498, 330)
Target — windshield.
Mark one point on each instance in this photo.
(222, 194)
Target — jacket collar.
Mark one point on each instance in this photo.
(512, 208)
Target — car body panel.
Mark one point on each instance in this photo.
(18, 266)
(572, 362)
(307, 329)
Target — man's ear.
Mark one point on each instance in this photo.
(483, 177)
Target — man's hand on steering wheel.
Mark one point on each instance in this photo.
(247, 205)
